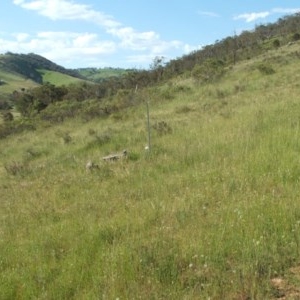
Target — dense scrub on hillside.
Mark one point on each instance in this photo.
(246, 45)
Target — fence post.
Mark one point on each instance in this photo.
(148, 127)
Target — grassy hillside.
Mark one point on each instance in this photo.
(211, 212)
(27, 65)
(95, 74)
(25, 71)
(11, 82)
(58, 78)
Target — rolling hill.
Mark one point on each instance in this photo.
(25, 71)
(28, 65)
(98, 75)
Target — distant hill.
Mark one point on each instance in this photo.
(28, 65)
(100, 74)
(34, 67)
(23, 71)
(26, 71)
(58, 78)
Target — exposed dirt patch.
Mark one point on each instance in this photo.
(288, 287)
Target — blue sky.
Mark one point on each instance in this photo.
(127, 33)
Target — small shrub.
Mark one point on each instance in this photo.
(59, 111)
(92, 131)
(14, 168)
(184, 109)
(91, 112)
(109, 235)
(118, 116)
(31, 154)
(276, 43)
(239, 88)
(7, 116)
(296, 36)
(265, 69)
(208, 71)
(99, 140)
(162, 128)
(167, 94)
(220, 94)
(14, 127)
(181, 88)
(65, 136)
(103, 138)
(5, 105)
(133, 156)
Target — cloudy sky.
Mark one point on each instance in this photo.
(127, 33)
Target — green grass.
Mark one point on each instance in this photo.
(13, 83)
(211, 213)
(96, 74)
(58, 78)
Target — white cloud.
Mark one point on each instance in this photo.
(21, 37)
(76, 40)
(188, 48)
(122, 37)
(208, 13)
(66, 10)
(250, 17)
(18, 2)
(140, 58)
(59, 46)
(285, 10)
(132, 39)
(85, 40)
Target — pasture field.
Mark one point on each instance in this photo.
(95, 74)
(12, 82)
(212, 211)
(58, 78)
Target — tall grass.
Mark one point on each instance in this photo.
(212, 212)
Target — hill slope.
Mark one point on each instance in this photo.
(211, 212)
(10, 82)
(97, 75)
(58, 78)
(27, 65)
(25, 71)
